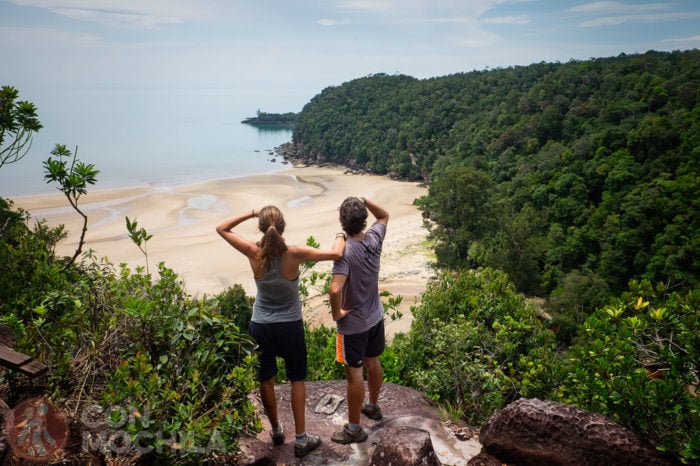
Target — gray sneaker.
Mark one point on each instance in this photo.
(303, 449)
(372, 413)
(345, 435)
(278, 437)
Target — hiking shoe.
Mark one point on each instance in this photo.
(303, 449)
(372, 413)
(277, 437)
(345, 435)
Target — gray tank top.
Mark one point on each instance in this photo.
(277, 299)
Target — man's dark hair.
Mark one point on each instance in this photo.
(353, 215)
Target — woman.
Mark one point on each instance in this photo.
(276, 323)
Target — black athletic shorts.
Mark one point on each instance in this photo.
(284, 340)
(352, 349)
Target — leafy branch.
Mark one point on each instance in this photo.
(139, 237)
(310, 280)
(18, 120)
(73, 179)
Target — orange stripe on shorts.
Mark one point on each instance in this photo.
(339, 349)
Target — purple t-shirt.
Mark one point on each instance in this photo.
(360, 264)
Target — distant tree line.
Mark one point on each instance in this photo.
(263, 118)
(573, 178)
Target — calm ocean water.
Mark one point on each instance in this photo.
(153, 137)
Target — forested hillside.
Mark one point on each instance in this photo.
(573, 178)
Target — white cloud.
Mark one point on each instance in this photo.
(122, 13)
(327, 22)
(16, 36)
(224, 42)
(474, 39)
(367, 5)
(650, 18)
(521, 19)
(613, 13)
(611, 7)
(453, 20)
(131, 20)
(423, 9)
(690, 39)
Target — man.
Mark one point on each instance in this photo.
(358, 312)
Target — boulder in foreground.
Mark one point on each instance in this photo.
(543, 433)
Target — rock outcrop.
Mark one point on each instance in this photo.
(404, 445)
(411, 432)
(542, 433)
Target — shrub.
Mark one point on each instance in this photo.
(179, 368)
(475, 343)
(636, 361)
(320, 346)
(195, 391)
(236, 306)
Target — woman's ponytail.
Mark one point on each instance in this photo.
(271, 223)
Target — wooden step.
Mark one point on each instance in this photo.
(33, 368)
(11, 358)
(20, 362)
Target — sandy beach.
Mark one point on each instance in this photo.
(182, 221)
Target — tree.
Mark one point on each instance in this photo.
(635, 361)
(475, 343)
(72, 180)
(459, 202)
(18, 120)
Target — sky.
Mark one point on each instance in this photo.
(307, 45)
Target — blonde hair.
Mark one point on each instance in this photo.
(271, 223)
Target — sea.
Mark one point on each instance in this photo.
(138, 137)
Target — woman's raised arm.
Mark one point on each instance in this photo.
(309, 254)
(224, 229)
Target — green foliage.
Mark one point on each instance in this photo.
(391, 304)
(194, 382)
(27, 261)
(578, 295)
(140, 237)
(543, 171)
(178, 367)
(320, 347)
(636, 361)
(71, 174)
(235, 305)
(72, 181)
(312, 283)
(458, 202)
(265, 118)
(345, 124)
(18, 122)
(474, 343)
